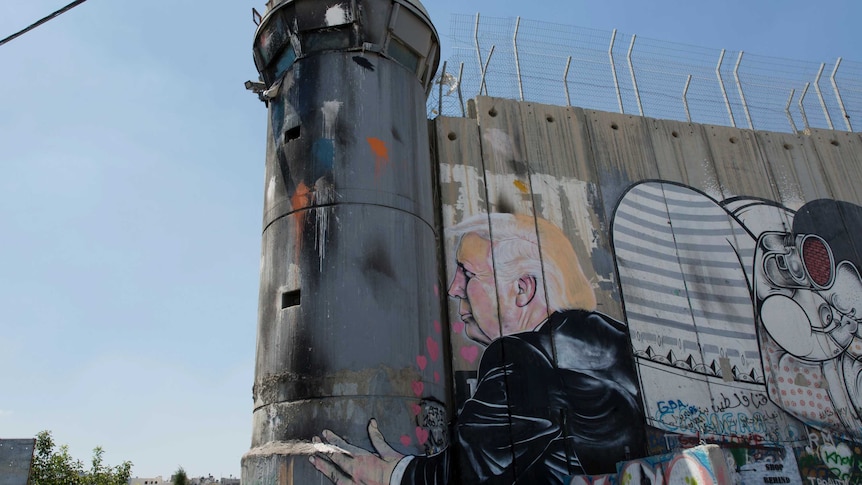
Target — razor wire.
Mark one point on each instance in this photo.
(611, 71)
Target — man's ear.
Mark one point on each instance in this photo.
(526, 290)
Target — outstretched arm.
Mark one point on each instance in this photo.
(349, 464)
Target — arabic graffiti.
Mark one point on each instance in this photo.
(736, 400)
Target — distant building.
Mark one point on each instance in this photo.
(208, 480)
(149, 481)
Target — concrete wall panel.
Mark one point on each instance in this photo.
(462, 184)
(507, 174)
(462, 177)
(840, 156)
(683, 155)
(740, 169)
(798, 173)
(622, 152)
(565, 189)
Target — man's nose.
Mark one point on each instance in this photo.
(456, 289)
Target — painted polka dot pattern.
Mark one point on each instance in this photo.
(797, 386)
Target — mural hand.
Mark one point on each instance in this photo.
(349, 464)
(380, 445)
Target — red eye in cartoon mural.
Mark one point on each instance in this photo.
(818, 260)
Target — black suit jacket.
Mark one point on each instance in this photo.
(556, 402)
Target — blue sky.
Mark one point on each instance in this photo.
(131, 178)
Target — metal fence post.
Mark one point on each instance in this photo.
(787, 111)
(460, 95)
(517, 61)
(802, 107)
(634, 79)
(838, 96)
(485, 71)
(723, 90)
(566, 81)
(820, 97)
(479, 51)
(739, 88)
(685, 98)
(614, 71)
(440, 93)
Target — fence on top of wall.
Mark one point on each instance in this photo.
(612, 71)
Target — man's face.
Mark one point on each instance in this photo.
(474, 287)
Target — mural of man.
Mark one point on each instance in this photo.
(556, 393)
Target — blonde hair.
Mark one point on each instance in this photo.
(516, 242)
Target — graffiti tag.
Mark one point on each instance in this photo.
(740, 399)
(757, 428)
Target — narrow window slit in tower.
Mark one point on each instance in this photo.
(292, 134)
(290, 299)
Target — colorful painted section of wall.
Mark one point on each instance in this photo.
(701, 465)
(623, 287)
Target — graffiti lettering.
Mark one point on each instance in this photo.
(740, 399)
(827, 458)
(666, 407)
(757, 428)
(825, 481)
(836, 458)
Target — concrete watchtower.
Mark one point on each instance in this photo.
(349, 305)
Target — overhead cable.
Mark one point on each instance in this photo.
(42, 21)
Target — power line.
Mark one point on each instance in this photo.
(42, 21)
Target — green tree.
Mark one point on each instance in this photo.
(53, 465)
(180, 477)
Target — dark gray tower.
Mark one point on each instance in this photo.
(350, 294)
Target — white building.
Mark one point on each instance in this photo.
(149, 481)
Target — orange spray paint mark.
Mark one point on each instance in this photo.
(521, 186)
(381, 154)
(301, 198)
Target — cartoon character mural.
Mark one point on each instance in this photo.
(556, 392)
(742, 328)
(751, 309)
(809, 303)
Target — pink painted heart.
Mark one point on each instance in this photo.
(436, 326)
(433, 348)
(405, 440)
(415, 409)
(418, 388)
(421, 435)
(422, 361)
(437, 291)
(436, 376)
(458, 327)
(470, 353)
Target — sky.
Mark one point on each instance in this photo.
(131, 190)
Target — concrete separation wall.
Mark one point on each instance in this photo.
(623, 287)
